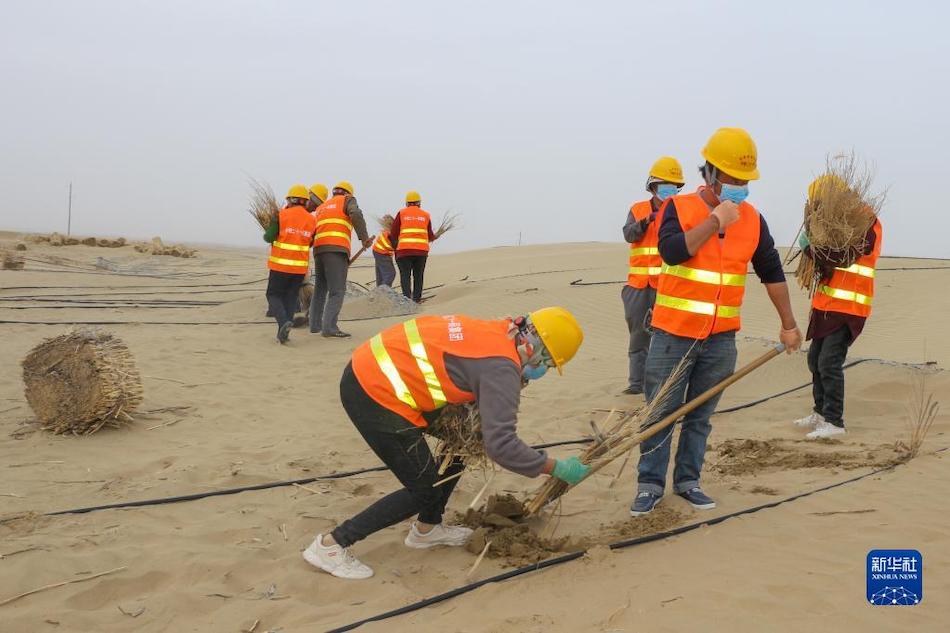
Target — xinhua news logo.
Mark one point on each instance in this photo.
(895, 577)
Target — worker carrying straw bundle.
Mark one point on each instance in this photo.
(411, 233)
(395, 385)
(840, 245)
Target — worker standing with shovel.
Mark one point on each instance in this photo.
(707, 240)
(336, 220)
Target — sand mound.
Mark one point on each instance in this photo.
(79, 382)
(381, 301)
(747, 456)
(12, 261)
(157, 247)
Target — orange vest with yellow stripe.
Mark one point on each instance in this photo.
(413, 229)
(703, 295)
(403, 367)
(290, 252)
(333, 224)
(851, 290)
(645, 259)
(382, 245)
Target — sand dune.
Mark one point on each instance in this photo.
(230, 407)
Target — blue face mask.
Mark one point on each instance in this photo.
(534, 372)
(664, 191)
(735, 193)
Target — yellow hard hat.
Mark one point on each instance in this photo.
(298, 191)
(668, 169)
(319, 190)
(560, 332)
(345, 186)
(413, 196)
(824, 183)
(732, 151)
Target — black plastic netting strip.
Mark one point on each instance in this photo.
(575, 555)
(307, 480)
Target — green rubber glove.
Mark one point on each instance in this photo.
(571, 471)
(803, 240)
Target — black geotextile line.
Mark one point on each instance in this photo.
(575, 555)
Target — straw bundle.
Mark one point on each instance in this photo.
(305, 296)
(263, 205)
(838, 215)
(450, 221)
(617, 441)
(459, 435)
(11, 261)
(79, 382)
(385, 221)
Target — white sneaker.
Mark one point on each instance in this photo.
(825, 429)
(452, 535)
(809, 421)
(335, 560)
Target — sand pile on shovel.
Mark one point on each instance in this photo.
(79, 382)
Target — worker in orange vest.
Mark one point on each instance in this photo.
(707, 240)
(383, 255)
(641, 231)
(290, 236)
(394, 387)
(411, 234)
(336, 220)
(839, 309)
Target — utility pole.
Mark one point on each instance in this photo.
(69, 211)
(519, 238)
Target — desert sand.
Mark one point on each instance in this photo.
(226, 406)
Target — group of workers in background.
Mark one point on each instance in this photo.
(689, 258)
(323, 221)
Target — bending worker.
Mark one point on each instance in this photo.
(706, 240)
(336, 219)
(290, 236)
(395, 385)
(411, 234)
(383, 255)
(839, 309)
(641, 231)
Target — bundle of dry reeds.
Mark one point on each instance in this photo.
(922, 410)
(385, 221)
(450, 221)
(263, 204)
(838, 214)
(12, 261)
(616, 441)
(459, 435)
(79, 382)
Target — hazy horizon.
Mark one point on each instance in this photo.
(533, 118)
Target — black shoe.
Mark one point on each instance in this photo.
(633, 391)
(698, 499)
(283, 334)
(337, 334)
(644, 503)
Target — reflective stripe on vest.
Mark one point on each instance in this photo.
(846, 295)
(857, 269)
(705, 276)
(697, 307)
(418, 350)
(288, 262)
(414, 240)
(645, 250)
(291, 247)
(645, 270)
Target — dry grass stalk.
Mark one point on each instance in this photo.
(79, 382)
(459, 435)
(263, 205)
(450, 221)
(385, 221)
(59, 584)
(617, 440)
(922, 410)
(838, 216)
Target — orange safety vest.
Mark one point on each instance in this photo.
(290, 252)
(645, 259)
(382, 245)
(333, 224)
(403, 367)
(413, 229)
(703, 295)
(851, 290)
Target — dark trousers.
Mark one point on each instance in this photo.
(385, 271)
(826, 358)
(411, 271)
(283, 291)
(400, 445)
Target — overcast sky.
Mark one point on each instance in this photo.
(533, 117)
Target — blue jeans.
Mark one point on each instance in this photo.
(709, 361)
